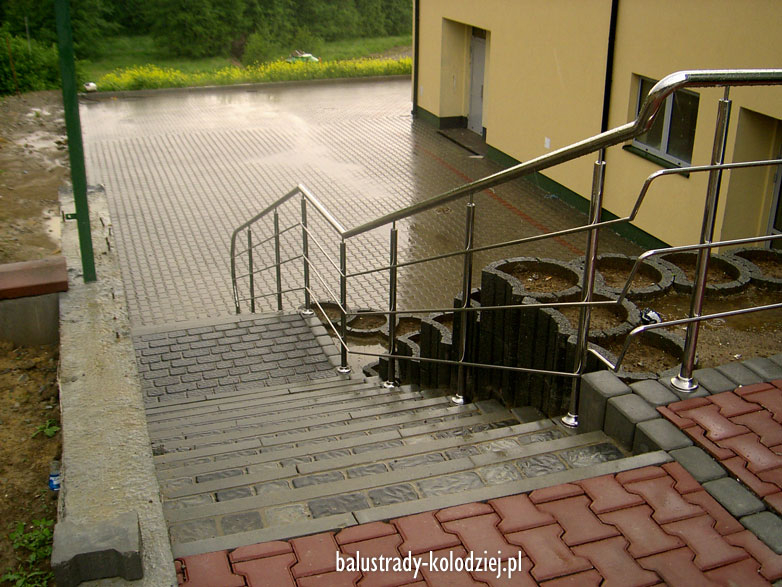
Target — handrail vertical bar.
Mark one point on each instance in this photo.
(582, 347)
(250, 269)
(392, 290)
(343, 299)
(277, 262)
(684, 381)
(469, 235)
(305, 251)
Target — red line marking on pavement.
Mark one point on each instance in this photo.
(490, 192)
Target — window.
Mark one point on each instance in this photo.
(673, 132)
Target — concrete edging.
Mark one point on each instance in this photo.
(108, 474)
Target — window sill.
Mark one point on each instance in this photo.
(653, 158)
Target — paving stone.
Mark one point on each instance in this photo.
(739, 373)
(479, 534)
(614, 564)
(699, 464)
(653, 392)
(363, 470)
(338, 504)
(211, 568)
(759, 458)
(261, 550)
(287, 514)
(578, 521)
(770, 562)
(711, 550)
(318, 478)
(766, 369)
(675, 567)
(724, 522)
(607, 494)
(273, 570)
(422, 533)
(587, 456)
(234, 493)
(658, 434)
(242, 522)
(499, 474)
(549, 555)
(449, 484)
(384, 546)
(644, 534)
(315, 554)
(623, 413)
(744, 572)
(767, 527)
(733, 497)
(365, 532)
(193, 530)
(540, 465)
(763, 424)
(416, 461)
(392, 494)
(668, 504)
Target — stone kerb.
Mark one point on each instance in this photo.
(436, 342)
(658, 271)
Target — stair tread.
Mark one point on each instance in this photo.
(415, 473)
(381, 513)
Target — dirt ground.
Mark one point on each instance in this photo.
(33, 165)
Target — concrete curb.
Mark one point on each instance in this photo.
(107, 459)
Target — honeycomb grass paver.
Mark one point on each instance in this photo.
(642, 527)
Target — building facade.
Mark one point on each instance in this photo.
(533, 76)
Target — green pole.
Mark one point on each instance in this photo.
(73, 127)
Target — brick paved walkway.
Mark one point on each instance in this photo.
(183, 169)
(643, 527)
(742, 430)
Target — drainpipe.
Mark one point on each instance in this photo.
(609, 65)
(416, 50)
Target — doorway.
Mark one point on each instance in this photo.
(477, 69)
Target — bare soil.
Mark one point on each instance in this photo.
(537, 281)
(33, 166)
(617, 276)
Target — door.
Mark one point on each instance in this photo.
(775, 223)
(477, 67)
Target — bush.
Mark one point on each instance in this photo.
(37, 67)
(153, 77)
(261, 48)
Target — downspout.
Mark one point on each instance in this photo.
(609, 65)
(416, 49)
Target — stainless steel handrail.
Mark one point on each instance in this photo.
(649, 109)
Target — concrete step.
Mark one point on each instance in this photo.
(259, 398)
(283, 502)
(325, 426)
(255, 414)
(391, 454)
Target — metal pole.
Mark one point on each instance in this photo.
(390, 381)
(250, 269)
(469, 233)
(343, 298)
(305, 249)
(684, 381)
(582, 347)
(277, 262)
(75, 146)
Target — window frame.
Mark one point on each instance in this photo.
(665, 136)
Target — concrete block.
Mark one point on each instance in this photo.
(767, 369)
(767, 527)
(701, 391)
(653, 392)
(713, 381)
(623, 413)
(699, 464)
(30, 321)
(734, 497)
(658, 434)
(596, 389)
(740, 374)
(98, 550)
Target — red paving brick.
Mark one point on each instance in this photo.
(271, 571)
(607, 494)
(519, 513)
(649, 526)
(770, 400)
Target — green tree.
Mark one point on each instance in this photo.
(132, 16)
(90, 21)
(330, 19)
(36, 67)
(373, 18)
(196, 28)
(399, 16)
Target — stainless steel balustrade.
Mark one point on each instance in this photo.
(597, 143)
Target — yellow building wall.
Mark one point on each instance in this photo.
(544, 78)
(656, 39)
(545, 75)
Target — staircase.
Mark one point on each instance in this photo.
(271, 463)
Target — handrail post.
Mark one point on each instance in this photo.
(390, 381)
(305, 251)
(461, 373)
(277, 261)
(582, 347)
(343, 299)
(250, 269)
(684, 381)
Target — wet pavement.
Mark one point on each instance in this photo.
(183, 169)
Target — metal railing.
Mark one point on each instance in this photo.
(596, 144)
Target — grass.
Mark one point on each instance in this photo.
(129, 52)
(33, 546)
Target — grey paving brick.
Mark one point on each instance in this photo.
(338, 504)
(328, 477)
(234, 493)
(243, 522)
(193, 530)
(370, 469)
(392, 494)
(588, 456)
(499, 474)
(734, 497)
(287, 514)
(219, 475)
(767, 527)
(540, 465)
(449, 484)
(699, 464)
